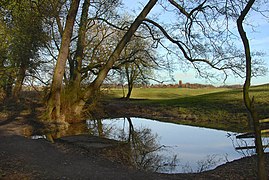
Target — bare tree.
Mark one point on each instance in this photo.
(250, 103)
(137, 62)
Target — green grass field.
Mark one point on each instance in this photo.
(186, 96)
(218, 105)
(164, 93)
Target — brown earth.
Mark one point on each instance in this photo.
(79, 157)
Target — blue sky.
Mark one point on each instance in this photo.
(259, 40)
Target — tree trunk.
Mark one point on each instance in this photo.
(130, 88)
(253, 117)
(76, 79)
(131, 76)
(73, 91)
(8, 86)
(54, 99)
(129, 81)
(95, 85)
(19, 81)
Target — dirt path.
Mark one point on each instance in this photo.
(40, 159)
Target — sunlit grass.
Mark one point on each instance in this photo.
(163, 93)
(203, 98)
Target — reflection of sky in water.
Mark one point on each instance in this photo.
(190, 144)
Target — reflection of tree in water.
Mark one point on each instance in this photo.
(96, 128)
(145, 150)
(143, 146)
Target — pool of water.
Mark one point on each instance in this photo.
(170, 148)
(166, 147)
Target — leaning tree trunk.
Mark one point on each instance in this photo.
(253, 117)
(95, 85)
(54, 99)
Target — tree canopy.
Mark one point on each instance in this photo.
(23, 36)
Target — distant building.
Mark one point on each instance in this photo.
(180, 84)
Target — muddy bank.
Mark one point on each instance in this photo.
(39, 159)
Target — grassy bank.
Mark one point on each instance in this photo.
(219, 108)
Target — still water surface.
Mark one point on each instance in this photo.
(170, 148)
